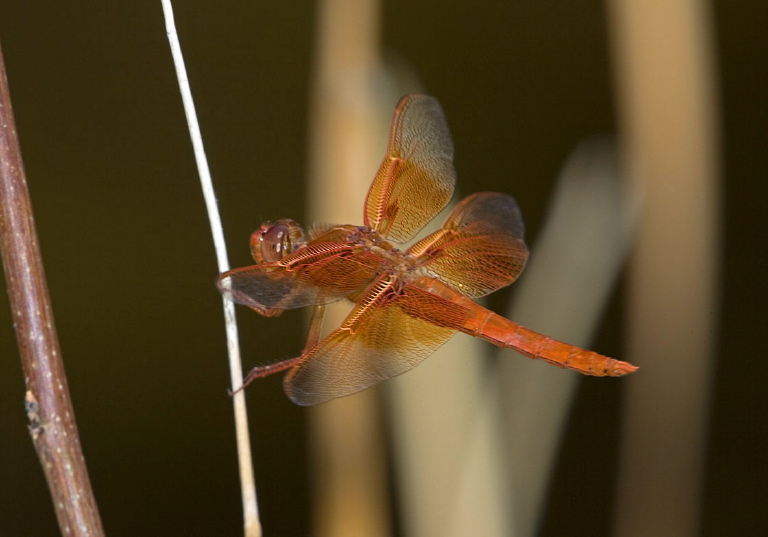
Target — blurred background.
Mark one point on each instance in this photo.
(127, 250)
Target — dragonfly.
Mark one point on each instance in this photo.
(407, 302)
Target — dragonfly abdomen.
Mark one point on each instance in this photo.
(508, 334)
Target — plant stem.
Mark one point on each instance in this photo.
(251, 523)
(49, 407)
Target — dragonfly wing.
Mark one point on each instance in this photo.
(390, 331)
(269, 291)
(480, 247)
(313, 275)
(416, 178)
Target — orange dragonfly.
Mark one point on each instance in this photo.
(406, 302)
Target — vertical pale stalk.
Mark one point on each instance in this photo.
(666, 98)
(448, 450)
(352, 105)
(251, 523)
(346, 146)
(572, 269)
(460, 476)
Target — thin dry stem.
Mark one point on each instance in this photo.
(252, 525)
(49, 408)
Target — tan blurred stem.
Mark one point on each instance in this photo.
(450, 463)
(666, 96)
(352, 103)
(347, 141)
(460, 475)
(572, 269)
(448, 450)
(251, 523)
(49, 408)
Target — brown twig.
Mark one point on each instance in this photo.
(49, 408)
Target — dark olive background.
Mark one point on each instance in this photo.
(130, 266)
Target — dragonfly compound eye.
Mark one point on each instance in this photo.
(275, 243)
(272, 242)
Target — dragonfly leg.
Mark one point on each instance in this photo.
(315, 325)
(261, 371)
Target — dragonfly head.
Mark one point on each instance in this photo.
(273, 241)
